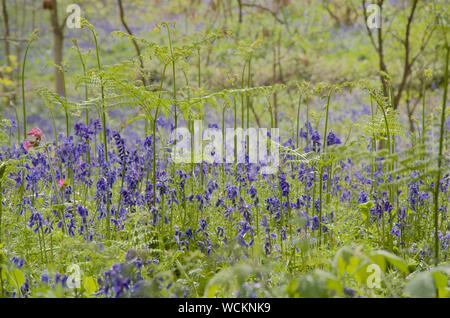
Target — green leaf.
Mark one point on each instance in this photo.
(391, 259)
(17, 277)
(3, 273)
(365, 209)
(89, 284)
(439, 279)
(135, 119)
(379, 260)
(332, 282)
(442, 282)
(342, 258)
(421, 286)
(361, 274)
(313, 286)
(212, 290)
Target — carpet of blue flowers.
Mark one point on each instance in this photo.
(90, 211)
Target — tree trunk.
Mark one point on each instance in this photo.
(58, 41)
(57, 57)
(407, 64)
(7, 49)
(240, 10)
(410, 113)
(136, 46)
(6, 21)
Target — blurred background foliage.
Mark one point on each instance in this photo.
(315, 41)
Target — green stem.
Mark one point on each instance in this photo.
(18, 125)
(1, 211)
(374, 140)
(307, 120)
(199, 67)
(83, 64)
(121, 185)
(438, 178)
(423, 117)
(321, 168)
(235, 137)
(105, 141)
(55, 187)
(173, 74)
(154, 134)
(249, 76)
(65, 100)
(23, 90)
(242, 97)
(298, 121)
(223, 144)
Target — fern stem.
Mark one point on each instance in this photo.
(154, 134)
(23, 90)
(105, 141)
(65, 100)
(298, 121)
(199, 68)
(438, 178)
(374, 141)
(83, 64)
(249, 78)
(423, 116)
(242, 97)
(321, 168)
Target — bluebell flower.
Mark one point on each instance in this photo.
(284, 185)
(362, 197)
(83, 131)
(17, 262)
(332, 139)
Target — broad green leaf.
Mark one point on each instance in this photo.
(421, 286)
(379, 260)
(442, 283)
(391, 259)
(361, 273)
(17, 277)
(89, 284)
(212, 290)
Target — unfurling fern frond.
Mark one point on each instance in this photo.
(51, 99)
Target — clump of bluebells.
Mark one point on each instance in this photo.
(134, 195)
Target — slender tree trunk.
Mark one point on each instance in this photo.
(407, 63)
(240, 10)
(57, 58)
(410, 110)
(136, 46)
(275, 97)
(7, 49)
(58, 41)
(6, 22)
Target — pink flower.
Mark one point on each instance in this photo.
(35, 132)
(28, 144)
(62, 183)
